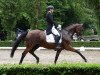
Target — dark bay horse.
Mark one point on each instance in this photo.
(36, 38)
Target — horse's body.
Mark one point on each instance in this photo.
(36, 38)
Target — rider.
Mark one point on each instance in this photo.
(51, 24)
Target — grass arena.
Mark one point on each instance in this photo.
(47, 56)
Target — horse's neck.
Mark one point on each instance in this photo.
(71, 30)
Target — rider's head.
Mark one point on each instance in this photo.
(50, 8)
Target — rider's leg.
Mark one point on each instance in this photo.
(57, 38)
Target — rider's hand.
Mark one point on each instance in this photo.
(59, 27)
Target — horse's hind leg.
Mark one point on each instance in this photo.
(57, 55)
(24, 53)
(69, 47)
(22, 57)
(32, 52)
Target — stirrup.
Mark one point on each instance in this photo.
(57, 48)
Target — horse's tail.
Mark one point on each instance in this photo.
(17, 42)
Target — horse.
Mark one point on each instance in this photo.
(36, 38)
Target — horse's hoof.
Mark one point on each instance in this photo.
(55, 62)
(37, 61)
(86, 60)
(20, 63)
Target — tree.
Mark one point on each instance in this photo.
(95, 4)
(34, 11)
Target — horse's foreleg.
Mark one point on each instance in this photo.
(57, 55)
(69, 47)
(81, 55)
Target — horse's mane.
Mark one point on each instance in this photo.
(70, 26)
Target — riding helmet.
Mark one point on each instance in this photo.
(50, 7)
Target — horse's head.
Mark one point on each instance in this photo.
(75, 28)
(79, 30)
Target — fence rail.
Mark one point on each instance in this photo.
(92, 37)
(41, 48)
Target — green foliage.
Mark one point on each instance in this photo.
(34, 11)
(88, 32)
(95, 4)
(59, 69)
(10, 44)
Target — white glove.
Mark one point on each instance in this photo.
(59, 27)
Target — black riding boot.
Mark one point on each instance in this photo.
(57, 38)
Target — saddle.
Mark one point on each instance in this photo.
(51, 37)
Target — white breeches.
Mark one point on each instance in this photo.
(54, 31)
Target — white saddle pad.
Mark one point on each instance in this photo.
(50, 38)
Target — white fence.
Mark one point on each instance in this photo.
(41, 48)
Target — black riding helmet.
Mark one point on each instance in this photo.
(50, 7)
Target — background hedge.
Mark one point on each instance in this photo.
(86, 44)
(58, 69)
(74, 44)
(9, 44)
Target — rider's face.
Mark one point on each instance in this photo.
(52, 10)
